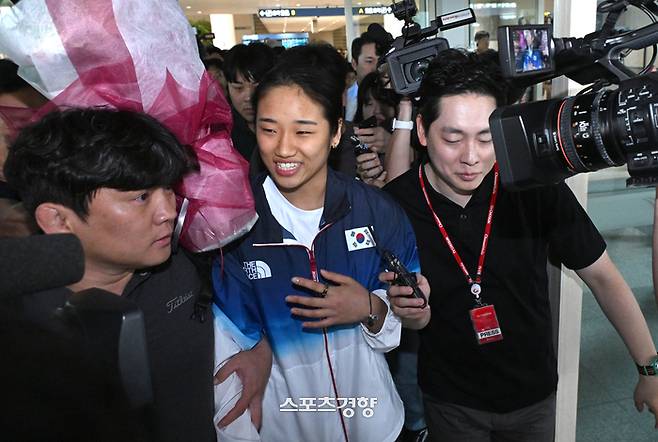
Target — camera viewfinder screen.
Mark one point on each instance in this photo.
(531, 50)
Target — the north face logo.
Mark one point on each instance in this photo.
(256, 270)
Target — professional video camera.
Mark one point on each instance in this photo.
(411, 53)
(545, 142)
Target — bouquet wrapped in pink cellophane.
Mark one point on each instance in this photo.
(140, 56)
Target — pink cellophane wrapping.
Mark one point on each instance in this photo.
(141, 56)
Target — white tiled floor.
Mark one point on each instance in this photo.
(607, 374)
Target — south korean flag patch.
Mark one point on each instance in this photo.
(359, 238)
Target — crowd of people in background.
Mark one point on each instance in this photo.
(305, 310)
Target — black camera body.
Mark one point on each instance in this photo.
(544, 142)
(412, 52)
(409, 64)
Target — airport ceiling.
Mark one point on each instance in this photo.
(200, 9)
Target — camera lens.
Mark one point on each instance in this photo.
(544, 142)
(586, 132)
(418, 68)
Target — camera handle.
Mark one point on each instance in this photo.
(638, 39)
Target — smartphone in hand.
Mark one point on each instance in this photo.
(403, 277)
(368, 123)
(359, 147)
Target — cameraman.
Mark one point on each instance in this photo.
(487, 367)
(106, 176)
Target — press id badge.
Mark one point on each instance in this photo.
(485, 324)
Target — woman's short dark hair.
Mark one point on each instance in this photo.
(251, 61)
(69, 155)
(455, 72)
(319, 70)
(373, 84)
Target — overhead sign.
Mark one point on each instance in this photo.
(322, 12)
(276, 13)
(494, 5)
(373, 10)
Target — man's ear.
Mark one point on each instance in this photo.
(420, 129)
(355, 63)
(54, 218)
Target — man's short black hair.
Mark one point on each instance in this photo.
(213, 63)
(358, 44)
(251, 61)
(9, 79)
(456, 72)
(67, 156)
(479, 35)
(212, 50)
(383, 38)
(278, 51)
(375, 34)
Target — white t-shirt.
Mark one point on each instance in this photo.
(303, 224)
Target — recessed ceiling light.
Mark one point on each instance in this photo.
(199, 12)
(188, 7)
(298, 5)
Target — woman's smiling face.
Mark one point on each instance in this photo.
(294, 140)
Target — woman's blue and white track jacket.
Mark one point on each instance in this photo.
(318, 376)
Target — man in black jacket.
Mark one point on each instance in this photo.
(106, 176)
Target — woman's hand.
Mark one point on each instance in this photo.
(344, 302)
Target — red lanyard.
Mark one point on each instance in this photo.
(474, 283)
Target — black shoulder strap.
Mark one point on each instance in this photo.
(203, 264)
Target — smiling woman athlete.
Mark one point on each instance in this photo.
(306, 277)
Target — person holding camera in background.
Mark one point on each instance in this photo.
(487, 366)
(377, 105)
